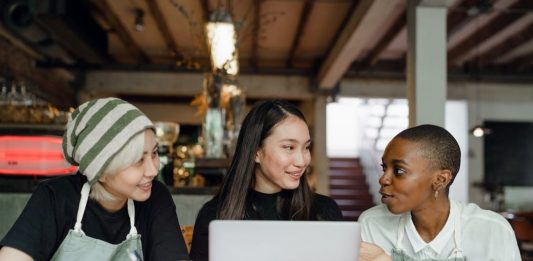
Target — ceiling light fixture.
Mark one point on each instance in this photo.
(478, 130)
(139, 20)
(222, 43)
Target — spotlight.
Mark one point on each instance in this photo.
(479, 131)
(139, 23)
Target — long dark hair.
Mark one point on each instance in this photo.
(257, 126)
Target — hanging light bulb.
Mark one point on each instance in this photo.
(139, 20)
(478, 131)
(221, 38)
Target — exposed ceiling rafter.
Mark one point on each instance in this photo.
(480, 35)
(112, 19)
(507, 45)
(308, 5)
(255, 34)
(458, 17)
(373, 56)
(347, 46)
(521, 63)
(164, 29)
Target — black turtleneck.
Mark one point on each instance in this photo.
(259, 206)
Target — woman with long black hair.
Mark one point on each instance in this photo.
(267, 177)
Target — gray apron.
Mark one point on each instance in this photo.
(78, 246)
(399, 255)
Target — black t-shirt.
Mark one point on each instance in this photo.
(51, 213)
(260, 206)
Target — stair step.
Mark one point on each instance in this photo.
(338, 181)
(346, 172)
(334, 175)
(360, 196)
(344, 159)
(344, 163)
(349, 192)
(348, 187)
(354, 202)
(356, 186)
(347, 180)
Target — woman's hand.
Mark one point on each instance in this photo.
(371, 252)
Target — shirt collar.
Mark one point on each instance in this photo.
(440, 241)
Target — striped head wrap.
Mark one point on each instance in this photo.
(97, 130)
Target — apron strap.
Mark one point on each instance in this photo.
(81, 207)
(83, 204)
(131, 214)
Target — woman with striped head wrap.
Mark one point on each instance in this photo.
(112, 209)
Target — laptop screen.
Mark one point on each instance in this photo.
(239, 240)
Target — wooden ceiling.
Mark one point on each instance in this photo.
(297, 36)
(486, 38)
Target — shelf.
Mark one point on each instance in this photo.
(33, 126)
(31, 129)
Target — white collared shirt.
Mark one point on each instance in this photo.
(437, 245)
(486, 235)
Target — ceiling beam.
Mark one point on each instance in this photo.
(255, 34)
(205, 10)
(507, 45)
(487, 31)
(190, 84)
(133, 68)
(522, 62)
(347, 46)
(112, 19)
(163, 28)
(458, 18)
(299, 31)
(457, 89)
(22, 46)
(51, 85)
(373, 56)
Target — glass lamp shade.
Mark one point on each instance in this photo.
(221, 38)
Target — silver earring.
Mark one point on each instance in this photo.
(436, 194)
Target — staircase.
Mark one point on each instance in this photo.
(348, 187)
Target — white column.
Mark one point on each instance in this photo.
(426, 62)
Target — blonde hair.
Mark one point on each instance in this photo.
(127, 156)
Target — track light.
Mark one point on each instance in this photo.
(139, 20)
(480, 131)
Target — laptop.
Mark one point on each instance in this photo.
(239, 240)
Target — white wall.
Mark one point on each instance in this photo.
(343, 135)
(456, 122)
(497, 102)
